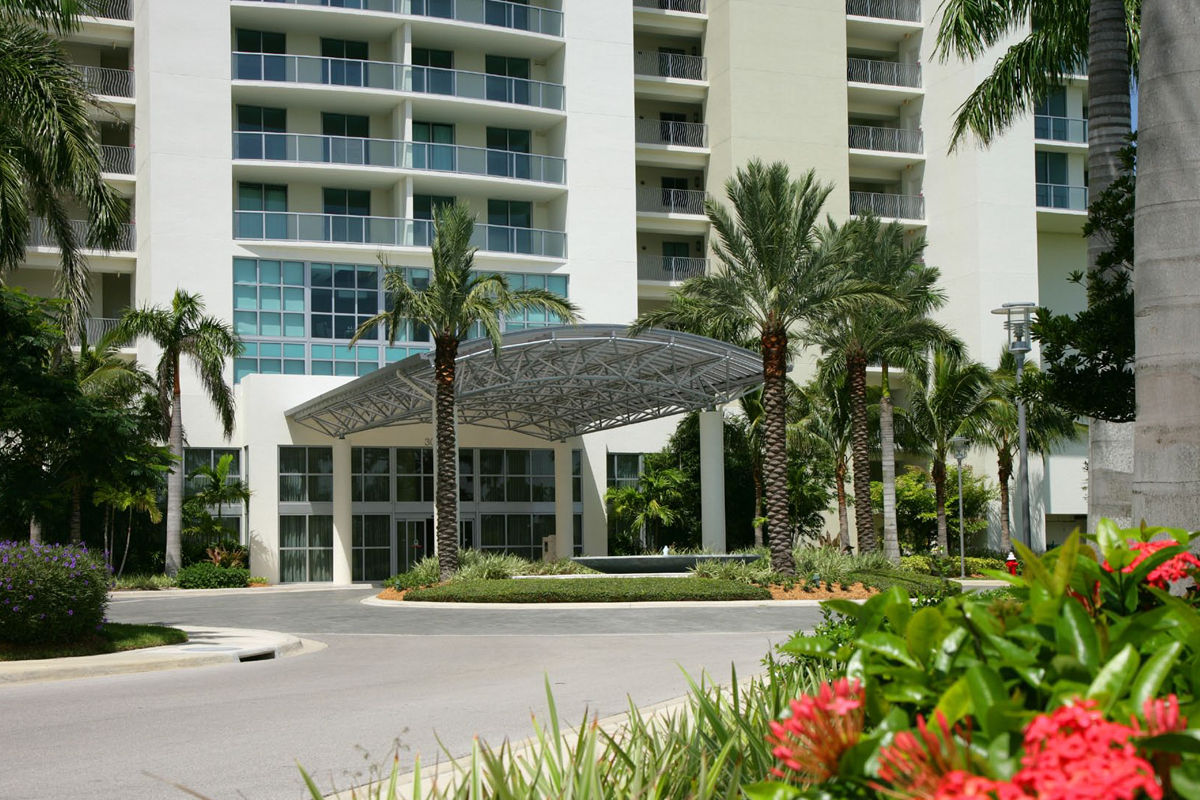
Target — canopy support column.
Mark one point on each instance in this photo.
(564, 508)
(712, 481)
(343, 520)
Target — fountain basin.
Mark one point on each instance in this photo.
(627, 565)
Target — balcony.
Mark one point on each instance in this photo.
(900, 10)
(670, 65)
(673, 134)
(390, 231)
(1062, 198)
(883, 73)
(669, 269)
(671, 201)
(116, 160)
(499, 13)
(40, 235)
(385, 75)
(684, 6)
(96, 328)
(886, 140)
(388, 153)
(1060, 129)
(111, 9)
(106, 82)
(888, 206)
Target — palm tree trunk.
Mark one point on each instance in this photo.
(1166, 469)
(779, 529)
(446, 480)
(939, 493)
(887, 441)
(843, 518)
(1004, 473)
(864, 522)
(174, 556)
(128, 537)
(35, 531)
(76, 514)
(756, 474)
(1110, 444)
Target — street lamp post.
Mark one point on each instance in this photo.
(1017, 322)
(959, 444)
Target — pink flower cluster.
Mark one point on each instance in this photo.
(1173, 569)
(811, 742)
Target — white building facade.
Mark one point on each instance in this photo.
(277, 153)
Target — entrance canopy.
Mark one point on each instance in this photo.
(552, 383)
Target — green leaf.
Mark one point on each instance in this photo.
(803, 645)
(887, 644)
(1076, 635)
(1064, 564)
(1185, 742)
(1150, 678)
(1185, 780)
(987, 689)
(846, 608)
(1111, 540)
(1034, 568)
(955, 702)
(1110, 683)
(770, 790)
(897, 608)
(925, 632)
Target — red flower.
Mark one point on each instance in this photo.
(1173, 569)
(916, 763)
(811, 742)
(1162, 716)
(959, 785)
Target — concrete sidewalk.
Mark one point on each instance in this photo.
(205, 646)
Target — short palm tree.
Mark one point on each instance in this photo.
(777, 275)
(213, 487)
(143, 500)
(183, 331)
(49, 148)
(650, 504)
(948, 397)
(826, 430)
(457, 299)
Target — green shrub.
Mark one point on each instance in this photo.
(424, 573)
(50, 593)
(207, 575)
(756, 572)
(146, 581)
(475, 565)
(829, 563)
(911, 582)
(588, 590)
(949, 566)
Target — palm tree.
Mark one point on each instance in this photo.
(214, 487)
(777, 276)
(458, 298)
(179, 331)
(1046, 425)
(143, 500)
(50, 148)
(652, 503)
(882, 333)
(948, 397)
(826, 429)
(752, 408)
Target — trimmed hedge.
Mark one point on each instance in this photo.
(950, 566)
(50, 592)
(588, 590)
(914, 583)
(207, 575)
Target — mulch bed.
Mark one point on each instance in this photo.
(854, 591)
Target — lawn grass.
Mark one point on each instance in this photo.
(588, 590)
(143, 581)
(115, 638)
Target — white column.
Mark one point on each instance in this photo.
(564, 517)
(595, 482)
(712, 481)
(343, 521)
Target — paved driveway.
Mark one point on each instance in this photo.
(388, 675)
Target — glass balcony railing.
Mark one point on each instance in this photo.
(393, 231)
(117, 160)
(671, 201)
(110, 9)
(108, 82)
(397, 78)
(517, 16)
(679, 134)
(890, 206)
(686, 6)
(670, 269)
(388, 153)
(883, 73)
(902, 10)
(40, 235)
(889, 140)
(670, 65)
(1060, 129)
(1067, 198)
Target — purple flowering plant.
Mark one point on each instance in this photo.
(58, 594)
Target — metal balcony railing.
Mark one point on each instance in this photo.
(96, 328)
(671, 201)
(670, 65)
(40, 235)
(1060, 129)
(389, 153)
(889, 140)
(396, 77)
(349, 229)
(118, 160)
(517, 16)
(687, 6)
(1067, 198)
(892, 206)
(108, 82)
(883, 73)
(670, 269)
(679, 134)
(903, 10)
(110, 9)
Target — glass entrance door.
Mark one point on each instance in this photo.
(414, 539)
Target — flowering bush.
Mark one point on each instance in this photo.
(50, 593)
(1176, 568)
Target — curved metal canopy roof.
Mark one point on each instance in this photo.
(552, 383)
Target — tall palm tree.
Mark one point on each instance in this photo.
(778, 274)
(1047, 426)
(752, 408)
(1060, 34)
(183, 331)
(458, 298)
(948, 397)
(49, 148)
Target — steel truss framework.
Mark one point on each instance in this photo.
(551, 383)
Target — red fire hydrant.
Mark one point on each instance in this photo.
(1011, 562)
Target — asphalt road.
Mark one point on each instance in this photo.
(389, 675)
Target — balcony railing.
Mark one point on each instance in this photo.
(687, 6)
(670, 65)
(96, 328)
(679, 134)
(339, 228)
(1067, 198)
(892, 206)
(670, 269)
(1060, 129)
(108, 82)
(671, 201)
(396, 78)
(40, 235)
(118, 160)
(312, 149)
(889, 140)
(903, 10)
(110, 9)
(884, 73)
(517, 16)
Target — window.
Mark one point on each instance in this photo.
(577, 543)
(341, 69)
(255, 125)
(305, 474)
(269, 358)
(508, 226)
(259, 55)
(371, 547)
(268, 298)
(261, 42)
(500, 70)
(624, 469)
(336, 359)
(433, 73)
(516, 476)
(466, 475)
(674, 194)
(414, 475)
(424, 206)
(267, 198)
(345, 125)
(576, 476)
(507, 152)
(511, 213)
(260, 119)
(435, 146)
(196, 457)
(305, 548)
(517, 534)
(439, 59)
(370, 469)
(346, 205)
(671, 130)
(534, 318)
(1051, 168)
(344, 296)
(1053, 104)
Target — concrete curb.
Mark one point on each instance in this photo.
(146, 594)
(415, 604)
